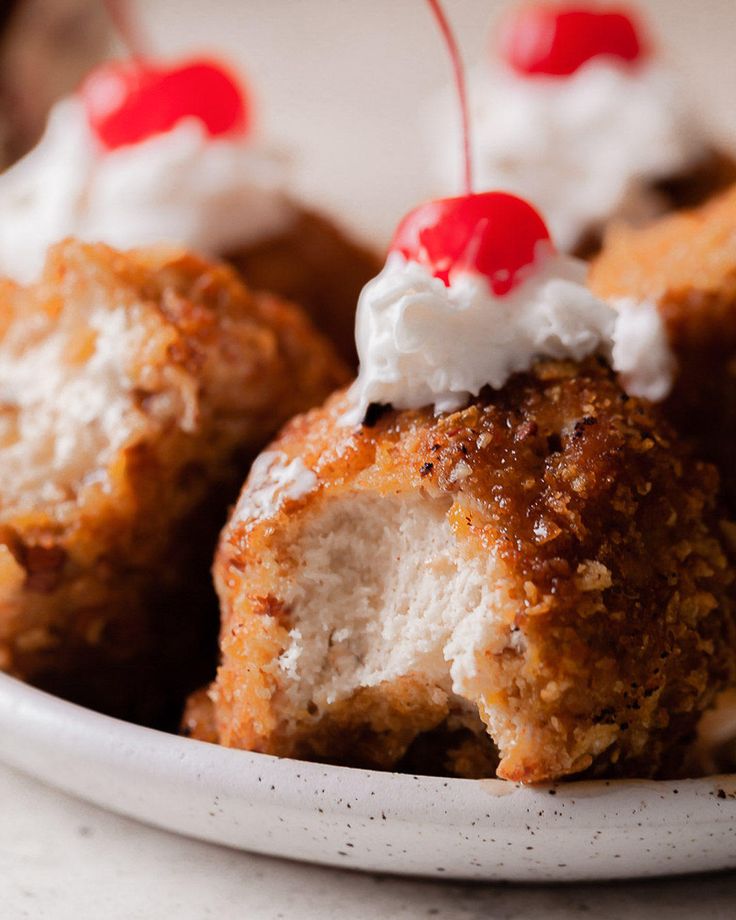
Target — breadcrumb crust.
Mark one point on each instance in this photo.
(317, 266)
(607, 528)
(686, 265)
(104, 589)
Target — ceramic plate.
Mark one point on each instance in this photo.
(382, 822)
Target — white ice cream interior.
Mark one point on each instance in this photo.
(68, 395)
(382, 589)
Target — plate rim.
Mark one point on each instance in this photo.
(37, 727)
(86, 722)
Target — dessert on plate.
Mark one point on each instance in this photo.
(579, 111)
(684, 266)
(134, 390)
(492, 550)
(145, 153)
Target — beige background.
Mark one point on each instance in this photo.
(341, 83)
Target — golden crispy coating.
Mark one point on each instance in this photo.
(686, 263)
(317, 266)
(573, 586)
(712, 174)
(198, 720)
(134, 388)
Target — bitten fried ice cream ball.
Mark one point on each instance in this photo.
(544, 567)
(684, 267)
(134, 389)
(486, 541)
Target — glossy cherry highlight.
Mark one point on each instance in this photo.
(557, 40)
(130, 101)
(494, 234)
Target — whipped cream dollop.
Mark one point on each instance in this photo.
(584, 148)
(182, 187)
(422, 343)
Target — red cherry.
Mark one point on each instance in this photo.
(494, 234)
(127, 102)
(558, 40)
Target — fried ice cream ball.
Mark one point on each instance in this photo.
(134, 388)
(317, 266)
(686, 265)
(544, 569)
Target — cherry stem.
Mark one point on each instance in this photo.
(462, 93)
(127, 27)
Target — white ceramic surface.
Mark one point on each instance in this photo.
(357, 819)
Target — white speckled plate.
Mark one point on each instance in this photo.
(385, 822)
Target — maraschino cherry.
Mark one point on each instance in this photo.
(493, 234)
(129, 101)
(557, 40)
